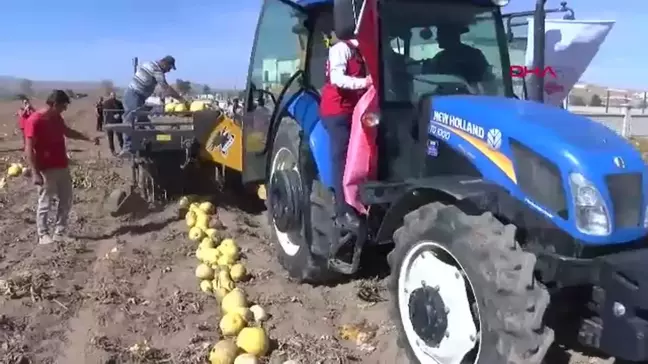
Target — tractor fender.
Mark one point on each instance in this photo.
(446, 189)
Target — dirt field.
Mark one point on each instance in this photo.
(120, 283)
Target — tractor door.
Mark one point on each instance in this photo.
(277, 59)
(517, 33)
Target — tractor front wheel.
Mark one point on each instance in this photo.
(463, 291)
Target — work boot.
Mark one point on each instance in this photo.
(59, 237)
(45, 240)
(124, 154)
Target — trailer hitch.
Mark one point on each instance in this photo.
(188, 159)
(190, 148)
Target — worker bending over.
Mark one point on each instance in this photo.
(346, 81)
(147, 77)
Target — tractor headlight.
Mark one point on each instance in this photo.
(590, 211)
(500, 2)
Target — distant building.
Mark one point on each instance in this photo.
(276, 72)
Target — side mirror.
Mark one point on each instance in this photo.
(261, 97)
(344, 22)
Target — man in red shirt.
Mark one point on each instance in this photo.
(45, 133)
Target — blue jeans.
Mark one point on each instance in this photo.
(133, 103)
(339, 130)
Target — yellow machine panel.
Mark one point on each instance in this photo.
(225, 144)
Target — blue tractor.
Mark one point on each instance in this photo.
(505, 215)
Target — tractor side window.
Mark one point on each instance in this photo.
(279, 47)
(320, 43)
(440, 48)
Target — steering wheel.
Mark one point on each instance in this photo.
(447, 79)
(440, 81)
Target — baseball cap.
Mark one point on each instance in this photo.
(170, 61)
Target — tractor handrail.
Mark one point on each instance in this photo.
(570, 15)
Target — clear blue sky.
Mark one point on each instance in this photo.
(211, 39)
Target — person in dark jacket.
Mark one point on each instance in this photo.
(113, 110)
(99, 111)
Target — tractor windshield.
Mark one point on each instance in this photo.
(433, 47)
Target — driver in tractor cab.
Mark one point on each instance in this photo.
(346, 81)
(457, 58)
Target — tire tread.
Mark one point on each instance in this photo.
(307, 267)
(515, 302)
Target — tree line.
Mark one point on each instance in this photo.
(577, 100)
(596, 101)
(26, 87)
(186, 87)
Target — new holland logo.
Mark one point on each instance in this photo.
(494, 138)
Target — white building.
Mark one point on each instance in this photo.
(276, 72)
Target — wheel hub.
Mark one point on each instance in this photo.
(284, 199)
(428, 315)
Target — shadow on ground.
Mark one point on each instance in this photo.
(131, 229)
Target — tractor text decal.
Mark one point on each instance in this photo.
(227, 142)
(523, 71)
(459, 123)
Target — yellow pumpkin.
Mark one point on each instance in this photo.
(170, 107)
(197, 106)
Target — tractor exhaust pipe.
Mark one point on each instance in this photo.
(537, 83)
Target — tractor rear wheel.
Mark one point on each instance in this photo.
(300, 208)
(464, 291)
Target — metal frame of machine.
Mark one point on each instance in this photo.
(173, 152)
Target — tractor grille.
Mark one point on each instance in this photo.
(539, 179)
(627, 199)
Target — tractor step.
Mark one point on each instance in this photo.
(345, 252)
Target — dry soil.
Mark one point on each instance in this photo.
(124, 291)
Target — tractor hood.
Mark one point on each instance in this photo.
(571, 141)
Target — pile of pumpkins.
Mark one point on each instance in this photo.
(178, 107)
(219, 270)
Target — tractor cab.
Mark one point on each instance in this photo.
(428, 49)
(440, 49)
